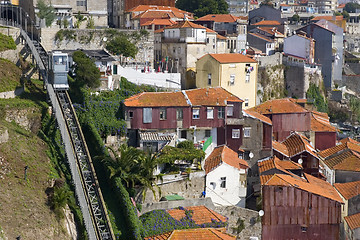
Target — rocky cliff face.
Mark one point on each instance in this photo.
(29, 118)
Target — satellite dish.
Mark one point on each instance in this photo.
(251, 155)
(300, 161)
(105, 39)
(261, 213)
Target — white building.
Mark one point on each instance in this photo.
(299, 45)
(226, 177)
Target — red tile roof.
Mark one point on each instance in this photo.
(194, 234)
(281, 148)
(348, 190)
(231, 58)
(223, 154)
(276, 163)
(266, 22)
(143, 8)
(261, 36)
(284, 105)
(310, 184)
(349, 139)
(328, 18)
(297, 143)
(216, 96)
(219, 18)
(200, 214)
(353, 221)
(345, 161)
(320, 122)
(157, 99)
(258, 116)
(272, 31)
(163, 22)
(187, 24)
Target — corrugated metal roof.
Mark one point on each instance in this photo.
(156, 136)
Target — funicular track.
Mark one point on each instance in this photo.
(87, 188)
(85, 167)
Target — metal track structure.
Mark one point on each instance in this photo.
(83, 174)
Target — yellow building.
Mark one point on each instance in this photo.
(234, 72)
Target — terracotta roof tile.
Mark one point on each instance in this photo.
(320, 122)
(272, 31)
(224, 154)
(188, 24)
(347, 161)
(161, 30)
(266, 22)
(156, 99)
(281, 148)
(276, 163)
(218, 36)
(330, 151)
(258, 35)
(349, 139)
(143, 8)
(231, 58)
(348, 190)
(257, 116)
(163, 22)
(215, 96)
(284, 105)
(219, 18)
(265, 178)
(310, 184)
(353, 221)
(297, 143)
(194, 234)
(328, 18)
(200, 214)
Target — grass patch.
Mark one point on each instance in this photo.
(9, 75)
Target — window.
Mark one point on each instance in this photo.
(196, 113)
(246, 102)
(174, 49)
(247, 131)
(221, 112)
(81, 3)
(183, 134)
(232, 65)
(147, 115)
(235, 133)
(230, 110)
(232, 79)
(210, 113)
(209, 79)
(247, 78)
(207, 133)
(179, 114)
(162, 113)
(223, 182)
(207, 39)
(131, 114)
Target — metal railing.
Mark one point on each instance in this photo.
(87, 188)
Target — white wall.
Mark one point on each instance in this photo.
(298, 46)
(164, 80)
(233, 194)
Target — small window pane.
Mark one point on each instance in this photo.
(207, 133)
(179, 114)
(221, 112)
(247, 132)
(196, 113)
(236, 133)
(230, 110)
(210, 113)
(163, 114)
(223, 182)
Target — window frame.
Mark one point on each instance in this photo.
(235, 133)
(230, 110)
(163, 114)
(179, 114)
(232, 79)
(221, 112)
(194, 115)
(210, 113)
(209, 79)
(222, 182)
(247, 132)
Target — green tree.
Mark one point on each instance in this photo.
(314, 95)
(296, 18)
(351, 7)
(46, 12)
(133, 167)
(86, 72)
(121, 45)
(337, 14)
(345, 14)
(90, 23)
(203, 7)
(79, 19)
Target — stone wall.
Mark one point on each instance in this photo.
(29, 118)
(147, 207)
(188, 188)
(12, 94)
(251, 221)
(271, 83)
(94, 39)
